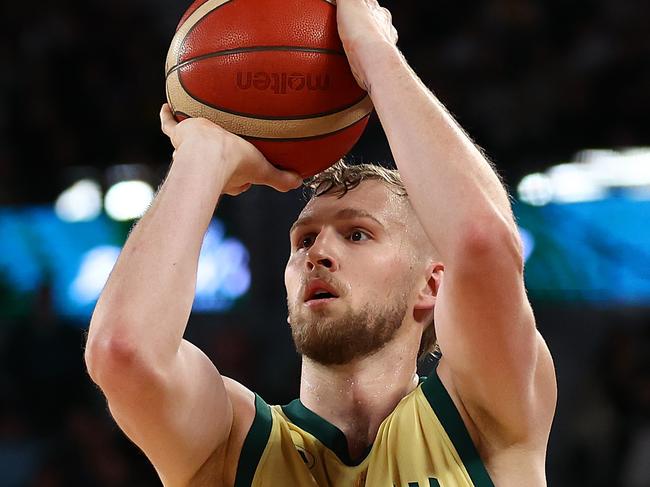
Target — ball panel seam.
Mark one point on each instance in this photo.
(271, 129)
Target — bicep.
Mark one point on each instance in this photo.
(178, 416)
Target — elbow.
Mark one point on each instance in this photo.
(491, 242)
(109, 356)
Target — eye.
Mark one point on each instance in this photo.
(359, 236)
(306, 241)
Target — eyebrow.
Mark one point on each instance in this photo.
(344, 214)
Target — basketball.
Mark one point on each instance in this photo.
(273, 72)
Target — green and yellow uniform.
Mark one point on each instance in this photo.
(422, 443)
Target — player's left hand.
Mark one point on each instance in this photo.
(241, 165)
(366, 29)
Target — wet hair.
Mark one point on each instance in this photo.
(341, 178)
(338, 180)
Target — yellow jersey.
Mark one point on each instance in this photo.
(422, 443)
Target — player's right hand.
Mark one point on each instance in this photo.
(242, 164)
(365, 28)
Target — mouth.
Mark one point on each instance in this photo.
(318, 291)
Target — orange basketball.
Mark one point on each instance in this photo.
(273, 72)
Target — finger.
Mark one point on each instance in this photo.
(281, 180)
(268, 175)
(167, 121)
(239, 190)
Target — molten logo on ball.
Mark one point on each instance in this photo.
(280, 83)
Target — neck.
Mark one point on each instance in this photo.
(356, 397)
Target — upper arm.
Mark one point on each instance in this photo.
(499, 364)
(179, 416)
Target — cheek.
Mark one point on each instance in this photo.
(388, 272)
(291, 277)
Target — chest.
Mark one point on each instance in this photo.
(410, 450)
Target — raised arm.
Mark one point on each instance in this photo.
(163, 391)
(498, 362)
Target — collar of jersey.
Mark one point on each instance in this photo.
(324, 431)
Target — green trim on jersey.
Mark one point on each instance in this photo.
(444, 407)
(328, 434)
(255, 443)
(432, 483)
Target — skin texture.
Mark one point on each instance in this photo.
(363, 317)
(190, 421)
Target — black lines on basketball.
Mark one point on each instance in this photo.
(244, 50)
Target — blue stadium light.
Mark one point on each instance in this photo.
(96, 265)
(223, 273)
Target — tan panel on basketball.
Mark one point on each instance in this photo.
(261, 128)
(190, 22)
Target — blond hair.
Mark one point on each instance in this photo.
(341, 178)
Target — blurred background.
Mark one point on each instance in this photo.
(557, 93)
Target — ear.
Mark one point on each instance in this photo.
(426, 299)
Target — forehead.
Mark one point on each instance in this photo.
(372, 197)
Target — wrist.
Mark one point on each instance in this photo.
(204, 157)
(376, 59)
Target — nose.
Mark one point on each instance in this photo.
(321, 253)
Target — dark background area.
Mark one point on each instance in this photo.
(533, 82)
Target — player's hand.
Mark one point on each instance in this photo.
(364, 27)
(242, 164)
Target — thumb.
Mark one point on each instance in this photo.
(282, 180)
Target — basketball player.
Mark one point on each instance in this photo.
(376, 259)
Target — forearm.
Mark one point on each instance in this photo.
(149, 295)
(450, 184)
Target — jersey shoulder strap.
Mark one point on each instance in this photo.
(445, 409)
(254, 444)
